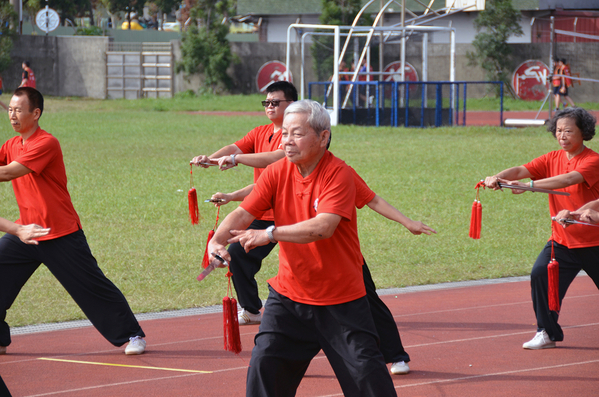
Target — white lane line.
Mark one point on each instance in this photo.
(432, 382)
(527, 302)
(493, 336)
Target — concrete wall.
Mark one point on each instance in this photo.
(63, 65)
(75, 65)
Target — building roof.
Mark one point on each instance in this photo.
(304, 7)
(307, 7)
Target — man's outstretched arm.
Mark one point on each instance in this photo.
(12, 171)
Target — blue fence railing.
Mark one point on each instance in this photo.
(395, 103)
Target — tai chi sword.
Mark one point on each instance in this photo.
(532, 189)
(211, 267)
(573, 222)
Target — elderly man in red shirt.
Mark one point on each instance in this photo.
(317, 299)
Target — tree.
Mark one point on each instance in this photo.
(8, 22)
(204, 46)
(126, 6)
(32, 7)
(500, 21)
(165, 6)
(334, 12)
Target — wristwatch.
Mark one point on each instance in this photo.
(269, 231)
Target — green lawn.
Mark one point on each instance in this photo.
(128, 169)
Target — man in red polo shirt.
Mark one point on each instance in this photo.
(265, 139)
(33, 162)
(317, 300)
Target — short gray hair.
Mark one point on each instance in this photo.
(318, 117)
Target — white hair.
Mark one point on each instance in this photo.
(318, 117)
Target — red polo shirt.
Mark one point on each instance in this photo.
(260, 140)
(364, 194)
(557, 163)
(324, 272)
(42, 195)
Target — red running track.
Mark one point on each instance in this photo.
(463, 341)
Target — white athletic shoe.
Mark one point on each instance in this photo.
(399, 368)
(540, 341)
(246, 318)
(137, 345)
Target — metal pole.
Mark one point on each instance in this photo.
(368, 77)
(381, 60)
(403, 50)
(20, 28)
(551, 64)
(425, 67)
(47, 19)
(381, 46)
(302, 77)
(335, 115)
(452, 69)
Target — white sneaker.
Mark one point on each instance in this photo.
(137, 345)
(400, 368)
(246, 318)
(2, 350)
(540, 341)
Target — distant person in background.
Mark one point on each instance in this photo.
(364, 92)
(566, 82)
(28, 79)
(561, 83)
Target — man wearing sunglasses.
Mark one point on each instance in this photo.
(264, 139)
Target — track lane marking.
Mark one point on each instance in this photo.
(484, 307)
(518, 371)
(124, 365)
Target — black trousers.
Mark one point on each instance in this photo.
(292, 333)
(72, 263)
(245, 265)
(4, 392)
(391, 346)
(571, 261)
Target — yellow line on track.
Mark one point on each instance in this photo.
(123, 365)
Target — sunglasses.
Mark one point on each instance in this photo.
(275, 102)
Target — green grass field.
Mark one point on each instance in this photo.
(128, 169)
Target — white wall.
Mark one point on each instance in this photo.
(463, 22)
(277, 27)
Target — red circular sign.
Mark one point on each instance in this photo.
(410, 74)
(271, 72)
(531, 80)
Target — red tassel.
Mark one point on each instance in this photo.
(206, 260)
(194, 211)
(232, 339)
(476, 215)
(479, 218)
(472, 233)
(553, 290)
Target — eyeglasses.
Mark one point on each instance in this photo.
(275, 102)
